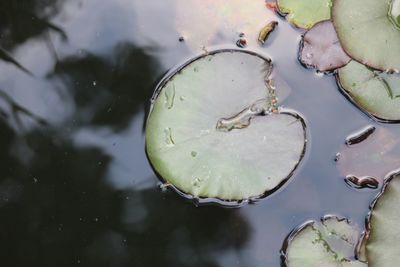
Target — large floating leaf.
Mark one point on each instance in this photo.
(367, 31)
(305, 13)
(383, 244)
(321, 48)
(376, 93)
(206, 134)
(330, 243)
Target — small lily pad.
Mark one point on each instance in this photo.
(305, 13)
(364, 159)
(329, 243)
(382, 248)
(321, 49)
(377, 93)
(368, 31)
(214, 130)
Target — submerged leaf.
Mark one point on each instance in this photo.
(321, 48)
(329, 243)
(365, 159)
(217, 137)
(382, 248)
(305, 13)
(374, 92)
(367, 32)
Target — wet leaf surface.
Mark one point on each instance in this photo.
(331, 242)
(374, 92)
(215, 134)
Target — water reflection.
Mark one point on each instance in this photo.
(79, 190)
(107, 91)
(59, 210)
(75, 185)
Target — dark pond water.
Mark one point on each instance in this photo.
(77, 189)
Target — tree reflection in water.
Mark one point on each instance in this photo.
(56, 206)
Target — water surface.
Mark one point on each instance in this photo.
(79, 190)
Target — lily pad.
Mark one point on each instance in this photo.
(305, 13)
(321, 49)
(329, 243)
(368, 32)
(377, 93)
(214, 130)
(383, 244)
(365, 159)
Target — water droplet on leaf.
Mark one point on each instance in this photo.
(168, 137)
(169, 96)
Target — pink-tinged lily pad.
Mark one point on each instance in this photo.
(321, 49)
(375, 156)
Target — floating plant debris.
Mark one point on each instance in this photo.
(321, 49)
(375, 92)
(382, 249)
(361, 136)
(241, 42)
(266, 31)
(375, 157)
(329, 243)
(226, 140)
(367, 31)
(305, 13)
(362, 182)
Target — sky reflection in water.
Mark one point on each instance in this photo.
(80, 190)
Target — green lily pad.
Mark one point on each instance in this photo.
(382, 248)
(214, 130)
(368, 32)
(329, 243)
(374, 92)
(305, 13)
